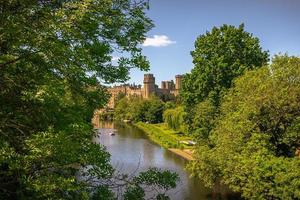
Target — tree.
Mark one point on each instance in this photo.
(54, 56)
(154, 109)
(120, 96)
(174, 118)
(121, 109)
(219, 56)
(253, 146)
(169, 105)
(205, 113)
(137, 109)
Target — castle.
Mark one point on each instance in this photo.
(167, 89)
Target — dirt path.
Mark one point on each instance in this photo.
(183, 153)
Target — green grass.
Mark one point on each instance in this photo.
(163, 136)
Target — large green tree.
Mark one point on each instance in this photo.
(174, 118)
(154, 110)
(220, 55)
(254, 147)
(137, 109)
(54, 56)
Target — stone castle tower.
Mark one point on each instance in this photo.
(178, 82)
(149, 85)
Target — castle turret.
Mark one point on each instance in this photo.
(172, 85)
(163, 85)
(178, 82)
(168, 85)
(149, 85)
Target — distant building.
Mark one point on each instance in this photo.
(168, 88)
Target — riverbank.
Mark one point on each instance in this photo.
(185, 153)
(167, 138)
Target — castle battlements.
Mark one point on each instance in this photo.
(168, 88)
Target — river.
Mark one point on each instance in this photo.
(132, 151)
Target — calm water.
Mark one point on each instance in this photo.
(132, 151)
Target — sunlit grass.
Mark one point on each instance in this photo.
(164, 136)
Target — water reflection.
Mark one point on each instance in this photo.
(132, 151)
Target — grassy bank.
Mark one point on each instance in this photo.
(163, 136)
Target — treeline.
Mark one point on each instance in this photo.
(245, 114)
(152, 110)
(137, 109)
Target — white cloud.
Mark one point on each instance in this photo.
(158, 41)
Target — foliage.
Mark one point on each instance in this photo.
(167, 97)
(220, 55)
(252, 148)
(132, 108)
(154, 110)
(138, 109)
(107, 115)
(150, 184)
(156, 180)
(204, 117)
(174, 118)
(121, 109)
(54, 55)
(155, 177)
(120, 96)
(169, 105)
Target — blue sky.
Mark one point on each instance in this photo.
(178, 23)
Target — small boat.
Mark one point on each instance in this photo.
(191, 142)
(112, 134)
(188, 142)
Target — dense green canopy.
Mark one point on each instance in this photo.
(54, 56)
(220, 55)
(137, 109)
(254, 146)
